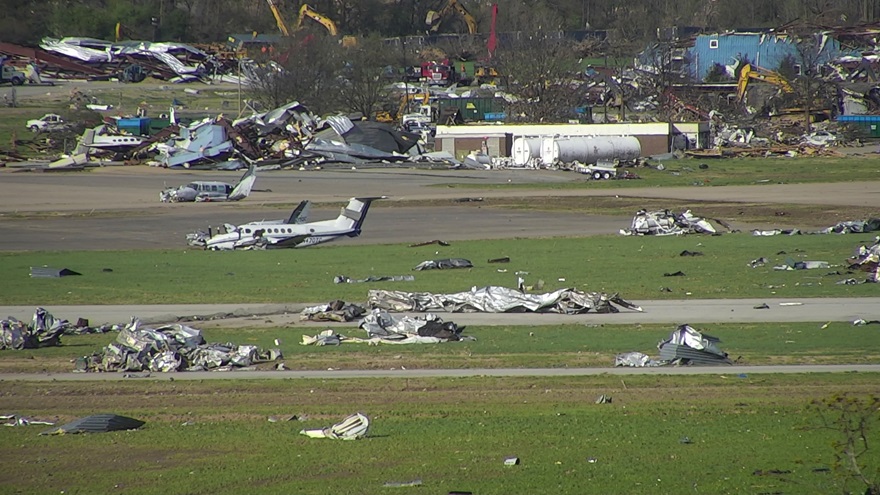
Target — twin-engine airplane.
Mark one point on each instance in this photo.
(211, 190)
(291, 233)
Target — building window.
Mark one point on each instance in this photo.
(713, 43)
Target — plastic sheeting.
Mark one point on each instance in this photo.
(351, 428)
(494, 299)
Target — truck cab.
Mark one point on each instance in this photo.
(11, 75)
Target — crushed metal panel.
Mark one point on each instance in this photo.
(50, 272)
(97, 423)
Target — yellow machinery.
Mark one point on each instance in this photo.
(282, 26)
(433, 19)
(403, 108)
(748, 72)
(306, 11)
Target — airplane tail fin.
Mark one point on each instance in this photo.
(300, 213)
(243, 188)
(353, 215)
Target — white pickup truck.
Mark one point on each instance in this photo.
(48, 122)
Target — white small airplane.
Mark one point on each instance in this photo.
(201, 190)
(291, 233)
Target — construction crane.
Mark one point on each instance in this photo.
(306, 11)
(434, 18)
(748, 72)
(279, 20)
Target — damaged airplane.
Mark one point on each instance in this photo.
(211, 190)
(292, 233)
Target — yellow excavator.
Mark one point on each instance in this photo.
(404, 106)
(306, 11)
(279, 20)
(434, 18)
(748, 72)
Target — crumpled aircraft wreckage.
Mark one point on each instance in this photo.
(684, 346)
(171, 348)
(211, 190)
(44, 331)
(382, 328)
(495, 299)
(665, 222)
(276, 234)
(350, 428)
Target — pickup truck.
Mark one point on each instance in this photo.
(9, 74)
(48, 122)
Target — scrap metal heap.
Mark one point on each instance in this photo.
(684, 346)
(44, 331)
(495, 299)
(288, 136)
(171, 348)
(665, 222)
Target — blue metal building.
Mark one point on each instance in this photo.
(762, 49)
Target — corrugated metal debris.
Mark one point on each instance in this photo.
(688, 346)
(494, 299)
(171, 348)
(337, 310)
(684, 346)
(97, 423)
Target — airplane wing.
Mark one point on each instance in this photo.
(243, 188)
(288, 242)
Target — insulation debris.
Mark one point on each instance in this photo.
(665, 222)
(171, 348)
(350, 428)
(494, 299)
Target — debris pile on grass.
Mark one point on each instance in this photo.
(495, 299)
(171, 348)
(665, 222)
(44, 331)
(383, 328)
(684, 346)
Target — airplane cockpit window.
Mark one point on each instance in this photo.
(193, 185)
(247, 231)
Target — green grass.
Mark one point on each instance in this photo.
(452, 434)
(632, 266)
(561, 346)
(724, 172)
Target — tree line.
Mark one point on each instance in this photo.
(632, 21)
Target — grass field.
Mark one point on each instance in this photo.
(632, 266)
(561, 346)
(711, 434)
(728, 172)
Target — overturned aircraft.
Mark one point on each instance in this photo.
(211, 190)
(274, 234)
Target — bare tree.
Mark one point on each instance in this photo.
(305, 69)
(811, 90)
(852, 419)
(362, 88)
(539, 70)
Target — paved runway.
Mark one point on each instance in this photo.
(730, 371)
